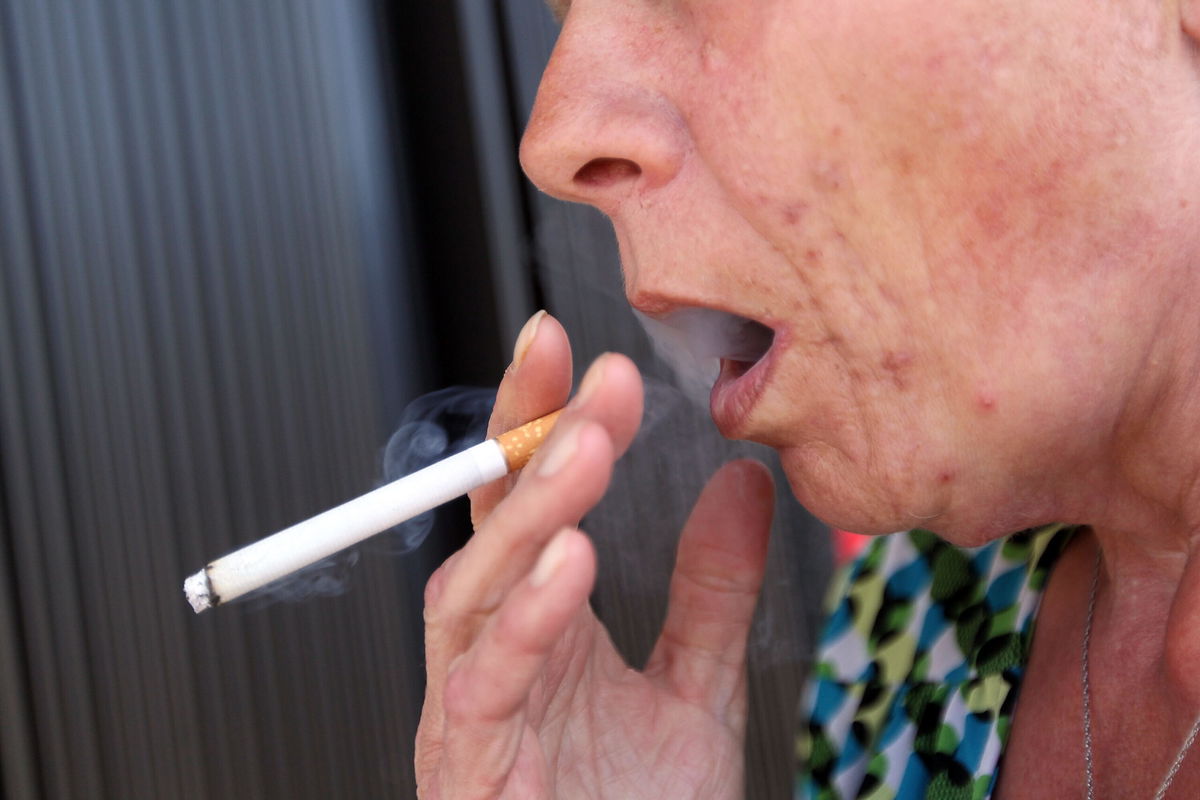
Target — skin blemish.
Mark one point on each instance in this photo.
(712, 59)
(792, 214)
(904, 163)
(945, 476)
(896, 362)
(992, 216)
(986, 401)
(832, 340)
(827, 176)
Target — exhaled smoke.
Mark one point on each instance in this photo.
(694, 340)
(432, 427)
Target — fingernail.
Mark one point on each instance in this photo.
(591, 381)
(562, 450)
(525, 338)
(550, 560)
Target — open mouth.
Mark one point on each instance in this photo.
(709, 336)
(741, 347)
(747, 342)
(720, 358)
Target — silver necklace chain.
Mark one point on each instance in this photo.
(1087, 705)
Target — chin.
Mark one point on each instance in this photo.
(835, 491)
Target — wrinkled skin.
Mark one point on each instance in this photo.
(909, 192)
(973, 228)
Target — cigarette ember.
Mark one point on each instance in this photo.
(307, 542)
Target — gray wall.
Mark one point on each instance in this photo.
(201, 271)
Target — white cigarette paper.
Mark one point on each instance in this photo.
(307, 542)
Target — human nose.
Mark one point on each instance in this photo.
(602, 128)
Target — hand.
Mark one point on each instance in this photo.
(526, 696)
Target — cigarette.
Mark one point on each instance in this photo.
(307, 542)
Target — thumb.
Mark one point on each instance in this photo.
(714, 589)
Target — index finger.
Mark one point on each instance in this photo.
(537, 382)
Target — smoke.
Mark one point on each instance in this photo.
(328, 577)
(434, 426)
(692, 341)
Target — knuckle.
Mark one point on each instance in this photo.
(434, 587)
(456, 696)
(717, 580)
(515, 632)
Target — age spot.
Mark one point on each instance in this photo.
(896, 362)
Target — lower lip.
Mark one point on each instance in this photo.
(733, 398)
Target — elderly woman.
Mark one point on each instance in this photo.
(973, 229)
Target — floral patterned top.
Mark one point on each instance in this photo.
(920, 663)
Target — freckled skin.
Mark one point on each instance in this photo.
(946, 208)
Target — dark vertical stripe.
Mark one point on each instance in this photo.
(18, 746)
(49, 585)
(219, 451)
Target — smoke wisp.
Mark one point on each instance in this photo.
(434, 426)
(692, 341)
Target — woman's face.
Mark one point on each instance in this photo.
(955, 216)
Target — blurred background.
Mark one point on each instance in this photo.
(237, 239)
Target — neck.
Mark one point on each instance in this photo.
(1141, 492)
(1144, 510)
(1147, 616)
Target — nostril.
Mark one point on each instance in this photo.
(603, 172)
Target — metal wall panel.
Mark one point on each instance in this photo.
(201, 280)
